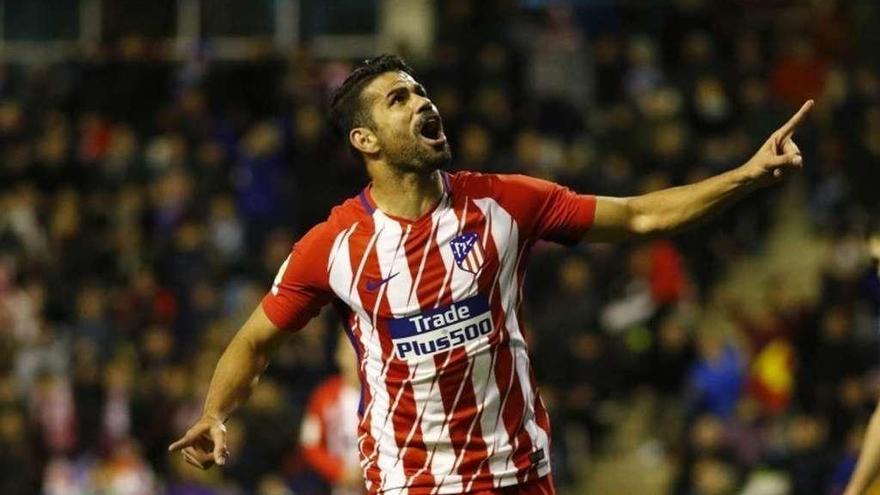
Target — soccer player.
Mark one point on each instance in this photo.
(426, 267)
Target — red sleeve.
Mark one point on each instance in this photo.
(546, 210)
(301, 287)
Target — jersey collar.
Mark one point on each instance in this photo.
(370, 207)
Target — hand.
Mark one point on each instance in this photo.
(204, 444)
(778, 156)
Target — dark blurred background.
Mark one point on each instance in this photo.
(158, 159)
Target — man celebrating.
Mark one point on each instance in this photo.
(426, 267)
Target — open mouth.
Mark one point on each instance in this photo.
(431, 130)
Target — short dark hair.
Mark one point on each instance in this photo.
(346, 108)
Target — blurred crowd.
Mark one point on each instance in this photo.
(145, 206)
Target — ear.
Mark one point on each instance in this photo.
(364, 140)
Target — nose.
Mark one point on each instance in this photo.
(426, 106)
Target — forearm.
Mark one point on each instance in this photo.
(204, 444)
(673, 209)
(236, 374)
(869, 458)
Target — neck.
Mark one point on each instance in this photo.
(406, 195)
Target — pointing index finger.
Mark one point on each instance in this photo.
(788, 128)
(184, 441)
(187, 439)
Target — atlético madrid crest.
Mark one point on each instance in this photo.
(468, 252)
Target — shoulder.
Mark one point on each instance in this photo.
(340, 220)
(473, 183)
(344, 215)
(480, 184)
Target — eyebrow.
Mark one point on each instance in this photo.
(396, 89)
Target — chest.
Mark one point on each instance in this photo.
(433, 286)
(408, 268)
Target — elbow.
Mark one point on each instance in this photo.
(647, 222)
(656, 225)
(642, 220)
(645, 225)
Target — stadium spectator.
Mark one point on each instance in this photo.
(329, 427)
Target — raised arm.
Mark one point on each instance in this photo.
(670, 210)
(238, 370)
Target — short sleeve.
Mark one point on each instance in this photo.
(301, 286)
(547, 210)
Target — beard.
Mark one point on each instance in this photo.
(408, 153)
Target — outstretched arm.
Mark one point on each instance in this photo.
(673, 209)
(869, 458)
(238, 370)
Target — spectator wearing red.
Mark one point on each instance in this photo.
(328, 437)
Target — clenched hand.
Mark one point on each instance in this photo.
(204, 444)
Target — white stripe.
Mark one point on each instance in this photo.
(340, 274)
(425, 390)
(373, 346)
(506, 236)
(433, 435)
(393, 265)
(435, 429)
(391, 256)
(280, 275)
(538, 435)
(502, 449)
(488, 398)
(451, 483)
(357, 278)
(337, 243)
(340, 278)
(462, 286)
(441, 459)
(492, 423)
(421, 394)
(342, 281)
(415, 288)
(482, 381)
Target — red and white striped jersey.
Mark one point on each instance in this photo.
(449, 402)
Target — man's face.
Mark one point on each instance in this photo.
(406, 123)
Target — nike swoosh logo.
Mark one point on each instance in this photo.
(373, 285)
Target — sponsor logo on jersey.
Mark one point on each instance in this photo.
(468, 252)
(441, 329)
